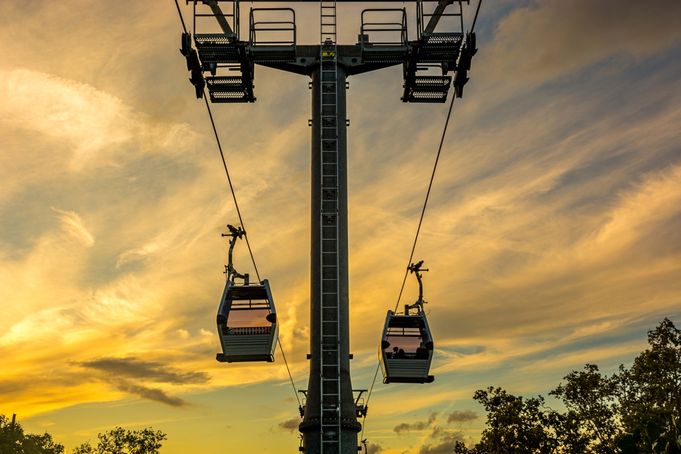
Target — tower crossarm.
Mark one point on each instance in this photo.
(427, 60)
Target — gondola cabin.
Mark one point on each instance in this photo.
(247, 323)
(406, 349)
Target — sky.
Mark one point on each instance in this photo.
(553, 232)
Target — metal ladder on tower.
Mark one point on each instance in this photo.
(330, 317)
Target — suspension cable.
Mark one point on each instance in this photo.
(229, 181)
(236, 204)
(283, 355)
(179, 13)
(475, 18)
(413, 247)
(416, 238)
(430, 183)
(418, 228)
(222, 156)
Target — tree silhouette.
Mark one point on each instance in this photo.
(122, 441)
(634, 411)
(13, 440)
(649, 395)
(591, 400)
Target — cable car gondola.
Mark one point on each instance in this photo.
(247, 319)
(407, 344)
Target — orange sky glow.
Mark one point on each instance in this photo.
(553, 233)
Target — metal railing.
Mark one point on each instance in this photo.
(422, 16)
(238, 331)
(231, 17)
(278, 32)
(383, 28)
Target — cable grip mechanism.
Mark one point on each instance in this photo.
(417, 270)
(235, 233)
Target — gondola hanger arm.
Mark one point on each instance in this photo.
(417, 270)
(235, 233)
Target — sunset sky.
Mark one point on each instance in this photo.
(553, 233)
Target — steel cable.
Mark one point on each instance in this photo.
(229, 181)
(236, 204)
(413, 247)
(418, 228)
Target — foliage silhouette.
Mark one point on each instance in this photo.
(122, 441)
(637, 410)
(13, 440)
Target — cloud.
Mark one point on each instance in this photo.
(446, 440)
(72, 224)
(154, 394)
(120, 371)
(461, 416)
(147, 370)
(550, 38)
(641, 209)
(374, 448)
(444, 447)
(94, 122)
(419, 425)
(138, 254)
(534, 230)
(12, 386)
(290, 425)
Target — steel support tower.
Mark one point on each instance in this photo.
(330, 417)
